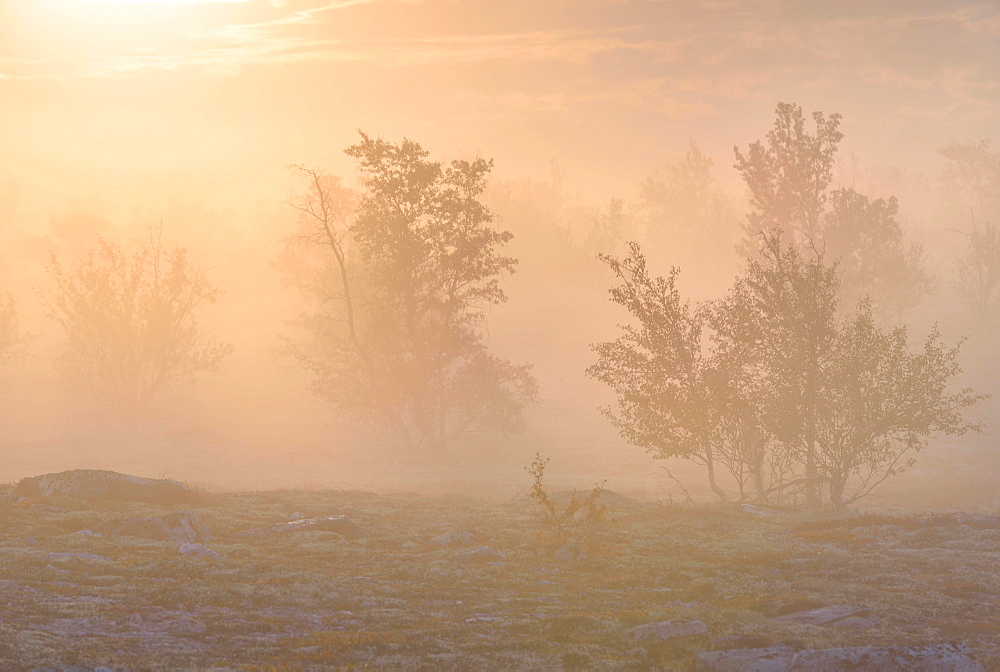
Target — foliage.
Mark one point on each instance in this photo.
(579, 520)
(767, 383)
(789, 181)
(657, 368)
(781, 317)
(410, 274)
(788, 177)
(880, 403)
(132, 322)
(866, 239)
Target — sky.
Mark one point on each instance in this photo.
(97, 94)
(127, 113)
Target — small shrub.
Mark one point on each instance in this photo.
(580, 520)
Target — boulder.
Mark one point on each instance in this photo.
(925, 658)
(341, 525)
(667, 630)
(181, 527)
(111, 485)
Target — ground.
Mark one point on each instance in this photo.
(393, 599)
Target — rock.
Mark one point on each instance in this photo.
(768, 659)
(97, 484)
(926, 658)
(841, 615)
(180, 527)
(483, 554)
(30, 541)
(162, 622)
(570, 552)
(45, 508)
(668, 630)
(198, 550)
(741, 641)
(977, 519)
(861, 622)
(81, 556)
(763, 511)
(298, 515)
(638, 653)
(341, 525)
(453, 539)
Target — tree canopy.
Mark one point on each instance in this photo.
(789, 177)
(411, 273)
(132, 322)
(769, 385)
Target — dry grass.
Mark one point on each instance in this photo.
(392, 600)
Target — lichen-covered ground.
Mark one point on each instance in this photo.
(314, 600)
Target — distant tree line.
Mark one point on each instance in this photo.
(793, 386)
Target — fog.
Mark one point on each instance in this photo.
(499, 335)
(119, 117)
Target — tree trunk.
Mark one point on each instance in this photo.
(837, 484)
(710, 463)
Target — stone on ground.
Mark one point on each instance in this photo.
(668, 630)
(926, 658)
(180, 527)
(839, 615)
(111, 485)
(341, 525)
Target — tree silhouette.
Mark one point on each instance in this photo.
(11, 339)
(978, 270)
(131, 322)
(410, 275)
(658, 368)
(880, 403)
(789, 177)
(689, 219)
(767, 383)
(973, 172)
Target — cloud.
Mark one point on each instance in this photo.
(686, 59)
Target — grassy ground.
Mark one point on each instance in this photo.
(394, 600)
